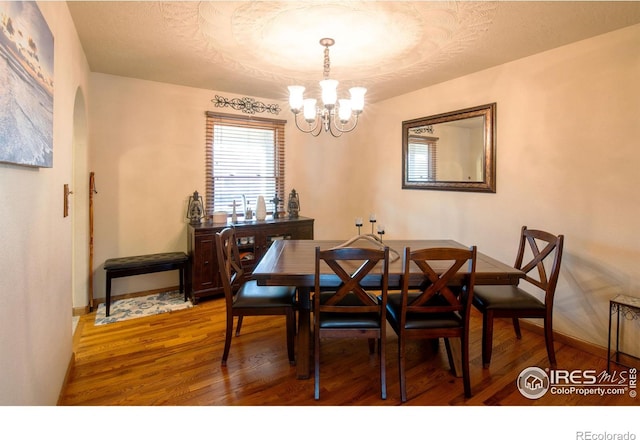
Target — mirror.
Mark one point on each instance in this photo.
(452, 151)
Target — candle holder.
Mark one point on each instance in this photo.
(358, 224)
(372, 220)
(381, 231)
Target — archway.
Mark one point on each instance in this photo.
(80, 211)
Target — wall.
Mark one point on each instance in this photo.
(567, 161)
(35, 250)
(147, 152)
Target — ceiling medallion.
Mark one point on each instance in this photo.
(379, 40)
(246, 105)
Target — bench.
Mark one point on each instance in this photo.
(143, 264)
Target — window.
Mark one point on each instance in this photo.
(245, 158)
(422, 159)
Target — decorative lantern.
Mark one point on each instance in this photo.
(294, 204)
(195, 211)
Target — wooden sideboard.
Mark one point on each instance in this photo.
(254, 238)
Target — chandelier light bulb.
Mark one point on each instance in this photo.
(329, 92)
(309, 110)
(344, 110)
(295, 97)
(357, 98)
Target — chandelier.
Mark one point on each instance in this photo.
(334, 115)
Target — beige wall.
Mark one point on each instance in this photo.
(147, 152)
(567, 161)
(35, 243)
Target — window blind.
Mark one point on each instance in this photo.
(422, 165)
(244, 159)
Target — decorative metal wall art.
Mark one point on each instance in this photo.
(425, 129)
(246, 105)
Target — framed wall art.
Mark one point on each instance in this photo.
(26, 95)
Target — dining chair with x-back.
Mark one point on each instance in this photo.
(439, 307)
(532, 298)
(346, 307)
(246, 298)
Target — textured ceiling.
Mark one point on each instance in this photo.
(257, 48)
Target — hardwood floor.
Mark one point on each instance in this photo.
(174, 359)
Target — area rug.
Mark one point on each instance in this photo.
(130, 308)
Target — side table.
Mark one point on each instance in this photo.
(629, 307)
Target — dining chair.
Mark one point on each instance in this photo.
(245, 297)
(520, 301)
(348, 308)
(436, 307)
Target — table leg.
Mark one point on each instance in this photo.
(304, 332)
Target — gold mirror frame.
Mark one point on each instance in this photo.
(486, 182)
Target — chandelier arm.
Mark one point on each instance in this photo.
(346, 130)
(336, 135)
(315, 125)
(319, 128)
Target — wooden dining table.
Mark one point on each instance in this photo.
(292, 263)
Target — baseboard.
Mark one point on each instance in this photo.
(79, 311)
(70, 367)
(588, 347)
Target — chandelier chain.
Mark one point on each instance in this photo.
(327, 62)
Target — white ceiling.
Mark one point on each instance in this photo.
(257, 48)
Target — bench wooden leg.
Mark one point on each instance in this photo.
(108, 299)
(182, 289)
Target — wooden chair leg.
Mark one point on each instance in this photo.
(465, 366)
(487, 338)
(316, 370)
(294, 317)
(239, 325)
(548, 337)
(383, 367)
(401, 365)
(227, 339)
(452, 363)
(516, 327)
